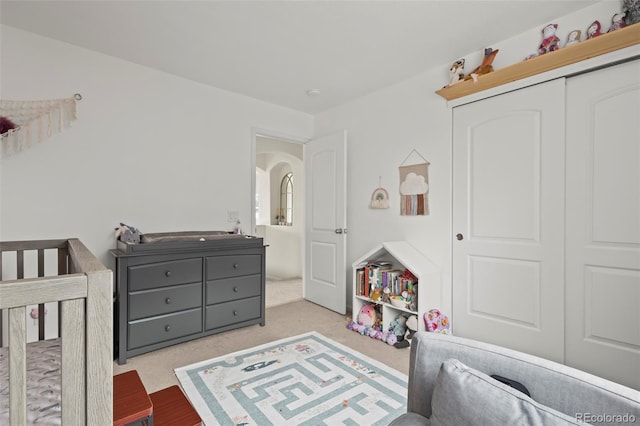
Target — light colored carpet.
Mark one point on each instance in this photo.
(282, 320)
(283, 291)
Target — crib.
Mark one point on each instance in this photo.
(82, 290)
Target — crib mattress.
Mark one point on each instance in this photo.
(43, 383)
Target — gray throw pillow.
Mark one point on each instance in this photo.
(464, 396)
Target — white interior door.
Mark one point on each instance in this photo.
(603, 223)
(508, 210)
(325, 165)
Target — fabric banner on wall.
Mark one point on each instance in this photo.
(23, 121)
(414, 189)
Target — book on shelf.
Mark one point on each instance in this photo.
(360, 282)
(375, 276)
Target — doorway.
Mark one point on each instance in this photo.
(279, 214)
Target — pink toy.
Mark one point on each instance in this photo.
(617, 22)
(367, 315)
(550, 42)
(375, 334)
(594, 30)
(436, 322)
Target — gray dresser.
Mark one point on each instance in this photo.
(169, 292)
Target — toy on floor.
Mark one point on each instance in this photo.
(436, 322)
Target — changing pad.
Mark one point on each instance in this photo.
(184, 236)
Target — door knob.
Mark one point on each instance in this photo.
(459, 237)
(338, 231)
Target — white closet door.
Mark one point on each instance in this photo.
(603, 223)
(508, 228)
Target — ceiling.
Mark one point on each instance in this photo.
(277, 50)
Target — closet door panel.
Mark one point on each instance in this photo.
(505, 171)
(508, 209)
(603, 223)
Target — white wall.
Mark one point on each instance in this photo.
(148, 148)
(385, 126)
(284, 251)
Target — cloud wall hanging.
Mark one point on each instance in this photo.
(414, 187)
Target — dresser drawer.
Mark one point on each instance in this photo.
(228, 289)
(166, 327)
(164, 274)
(164, 300)
(232, 312)
(233, 266)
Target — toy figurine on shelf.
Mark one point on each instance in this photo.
(594, 30)
(485, 67)
(617, 22)
(456, 72)
(573, 38)
(631, 10)
(550, 41)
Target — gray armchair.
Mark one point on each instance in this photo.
(450, 384)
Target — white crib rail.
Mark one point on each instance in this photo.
(85, 299)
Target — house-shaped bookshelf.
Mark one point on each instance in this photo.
(401, 256)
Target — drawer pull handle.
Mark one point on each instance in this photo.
(167, 328)
(167, 300)
(167, 274)
(235, 313)
(235, 289)
(236, 266)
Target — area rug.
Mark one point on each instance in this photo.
(301, 380)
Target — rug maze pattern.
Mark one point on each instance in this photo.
(307, 381)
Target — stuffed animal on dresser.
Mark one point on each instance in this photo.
(128, 234)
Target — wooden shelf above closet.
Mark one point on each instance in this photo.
(608, 42)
